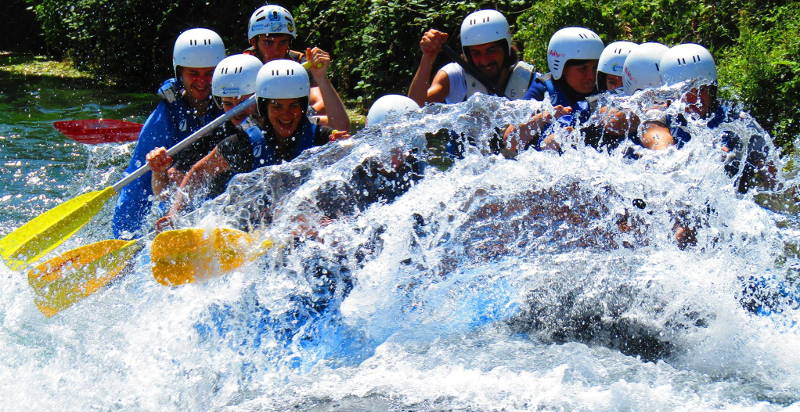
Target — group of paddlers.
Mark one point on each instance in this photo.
(297, 107)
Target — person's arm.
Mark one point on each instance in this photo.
(133, 204)
(334, 108)
(315, 101)
(617, 122)
(422, 90)
(530, 131)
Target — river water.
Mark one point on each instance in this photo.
(492, 284)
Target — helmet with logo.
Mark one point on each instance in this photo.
(613, 57)
(688, 62)
(484, 26)
(235, 76)
(572, 43)
(391, 104)
(197, 48)
(271, 19)
(641, 67)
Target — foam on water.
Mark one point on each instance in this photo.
(493, 284)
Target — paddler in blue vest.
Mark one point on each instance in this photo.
(270, 32)
(234, 81)
(185, 107)
(572, 57)
(692, 66)
(282, 88)
(486, 45)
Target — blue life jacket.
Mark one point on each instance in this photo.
(264, 149)
(544, 84)
(167, 125)
(580, 108)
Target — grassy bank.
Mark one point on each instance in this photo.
(24, 65)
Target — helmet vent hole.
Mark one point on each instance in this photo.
(274, 15)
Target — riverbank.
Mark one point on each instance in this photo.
(22, 64)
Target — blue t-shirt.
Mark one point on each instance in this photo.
(167, 125)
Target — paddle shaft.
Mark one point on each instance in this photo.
(188, 140)
(472, 70)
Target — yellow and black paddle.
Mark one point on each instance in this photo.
(63, 280)
(178, 257)
(188, 255)
(44, 233)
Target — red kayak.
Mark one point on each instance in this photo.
(94, 131)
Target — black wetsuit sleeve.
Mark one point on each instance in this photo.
(323, 136)
(238, 152)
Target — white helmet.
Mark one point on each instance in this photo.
(688, 62)
(271, 19)
(572, 43)
(484, 26)
(613, 57)
(235, 76)
(642, 67)
(391, 104)
(282, 79)
(197, 48)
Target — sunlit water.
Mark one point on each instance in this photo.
(492, 284)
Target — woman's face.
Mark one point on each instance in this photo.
(285, 115)
(197, 81)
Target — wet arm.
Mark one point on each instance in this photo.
(422, 90)
(334, 108)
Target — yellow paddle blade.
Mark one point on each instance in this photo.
(187, 255)
(45, 232)
(68, 278)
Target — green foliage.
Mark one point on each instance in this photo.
(131, 41)
(763, 70)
